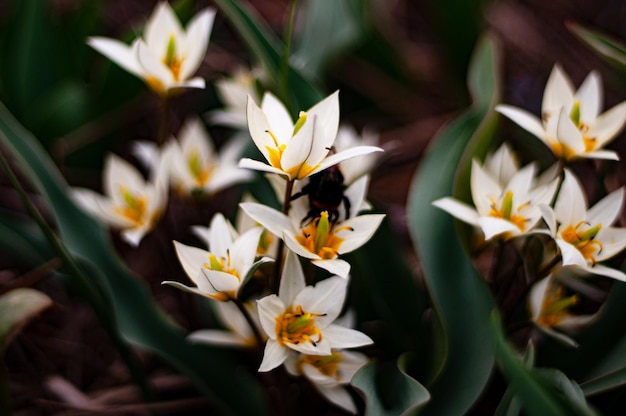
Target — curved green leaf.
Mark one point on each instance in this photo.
(138, 318)
(605, 383)
(608, 48)
(460, 296)
(388, 391)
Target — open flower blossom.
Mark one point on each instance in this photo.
(585, 237)
(571, 124)
(221, 272)
(234, 92)
(237, 333)
(296, 150)
(320, 240)
(549, 304)
(130, 203)
(167, 56)
(354, 168)
(506, 201)
(194, 165)
(300, 318)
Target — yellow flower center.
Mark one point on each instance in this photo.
(583, 240)
(325, 364)
(318, 237)
(297, 326)
(506, 211)
(200, 173)
(554, 306)
(171, 60)
(265, 242)
(135, 207)
(222, 264)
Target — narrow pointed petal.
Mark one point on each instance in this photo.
(357, 231)
(293, 245)
(590, 97)
(192, 259)
(133, 236)
(217, 337)
(100, 207)
(602, 154)
(571, 204)
(259, 126)
(570, 254)
(220, 238)
(119, 174)
(153, 67)
(269, 308)
(568, 134)
(559, 92)
(118, 52)
(280, 122)
(335, 266)
(296, 159)
(273, 356)
(606, 210)
(536, 296)
(275, 221)
(524, 119)
(326, 113)
(160, 27)
(221, 282)
(356, 194)
(196, 82)
(336, 158)
(197, 39)
(325, 298)
(226, 177)
(559, 336)
(340, 337)
(292, 281)
(484, 188)
(608, 124)
(339, 397)
(260, 166)
(321, 347)
(549, 217)
(613, 241)
(492, 227)
(608, 272)
(458, 209)
(184, 288)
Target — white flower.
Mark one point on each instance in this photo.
(548, 305)
(222, 272)
(131, 203)
(195, 165)
(354, 168)
(301, 318)
(234, 94)
(238, 333)
(571, 123)
(295, 151)
(585, 237)
(320, 240)
(167, 56)
(509, 208)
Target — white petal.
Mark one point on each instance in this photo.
(192, 259)
(275, 221)
(335, 266)
(197, 39)
(608, 124)
(295, 158)
(356, 195)
(338, 396)
(152, 66)
(549, 217)
(357, 231)
(570, 254)
(568, 134)
(484, 188)
(260, 166)
(524, 119)
(184, 288)
(345, 155)
(100, 207)
(217, 337)
(118, 52)
(270, 307)
(326, 115)
(559, 92)
(608, 272)
(571, 205)
(559, 336)
(119, 174)
(590, 97)
(326, 298)
(162, 24)
(292, 281)
(280, 121)
(321, 347)
(601, 154)
(613, 241)
(227, 176)
(196, 82)
(220, 239)
(492, 227)
(297, 248)
(273, 356)
(220, 282)
(133, 236)
(606, 210)
(340, 337)
(460, 210)
(259, 126)
(536, 297)
(243, 250)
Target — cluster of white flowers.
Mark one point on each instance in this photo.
(510, 202)
(323, 193)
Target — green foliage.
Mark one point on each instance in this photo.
(460, 297)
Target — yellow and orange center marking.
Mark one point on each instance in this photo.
(506, 211)
(325, 364)
(583, 239)
(200, 172)
(134, 208)
(554, 306)
(296, 326)
(320, 238)
(222, 264)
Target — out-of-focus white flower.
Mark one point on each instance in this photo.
(234, 92)
(130, 203)
(571, 124)
(348, 138)
(506, 200)
(295, 151)
(221, 272)
(320, 240)
(238, 332)
(585, 237)
(301, 318)
(196, 166)
(167, 56)
(549, 308)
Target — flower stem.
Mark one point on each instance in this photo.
(164, 120)
(275, 279)
(255, 329)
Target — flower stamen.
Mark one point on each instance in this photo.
(297, 326)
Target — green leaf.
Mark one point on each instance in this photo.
(17, 307)
(460, 297)
(267, 48)
(608, 48)
(388, 391)
(136, 315)
(605, 383)
(541, 392)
